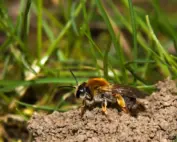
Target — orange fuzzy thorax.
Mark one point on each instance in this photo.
(95, 83)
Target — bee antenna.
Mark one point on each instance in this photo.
(74, 77)
(66, 87)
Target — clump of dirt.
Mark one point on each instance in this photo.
(158, 123)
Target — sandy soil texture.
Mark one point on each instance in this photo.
(157, 124)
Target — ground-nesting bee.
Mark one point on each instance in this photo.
(98, 91)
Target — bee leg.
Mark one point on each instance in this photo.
(104, 106)
(86, 105)
(121, 103)
(83, 108)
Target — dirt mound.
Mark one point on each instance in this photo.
(157, 124)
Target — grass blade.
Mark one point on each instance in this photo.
(133, 21)
(39, 27)
(164, 55)
(113, 36)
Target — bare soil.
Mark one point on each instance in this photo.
(157, 124)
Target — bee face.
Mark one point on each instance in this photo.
(83, 92)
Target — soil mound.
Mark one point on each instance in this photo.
(158, 123)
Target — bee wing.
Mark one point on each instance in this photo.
(128, 91)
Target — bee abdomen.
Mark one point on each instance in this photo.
(134, 106)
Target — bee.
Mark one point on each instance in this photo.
(99, 91)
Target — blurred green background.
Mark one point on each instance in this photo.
(130, 42)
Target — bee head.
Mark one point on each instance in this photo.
(83, 91)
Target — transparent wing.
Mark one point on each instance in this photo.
(128, 91)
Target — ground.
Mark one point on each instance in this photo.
(158, 123)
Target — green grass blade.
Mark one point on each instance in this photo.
(24, 25)
(164, 22)
(106, 60)
(113, 36)
(164, 55)
(63, 32)
(39, 27)
(97, 49)
(74, 25)
(10, 85)
(48, 31)
(47, 108)
(133, 21)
